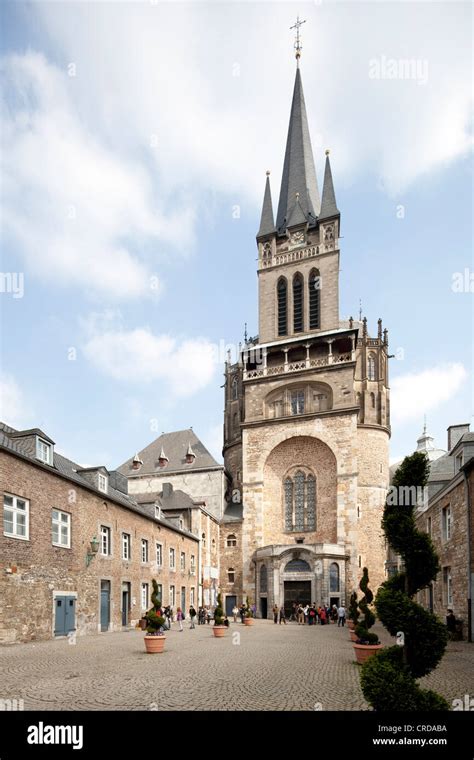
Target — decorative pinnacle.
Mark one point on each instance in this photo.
(298, 45)
(327, 151)
(267, 172)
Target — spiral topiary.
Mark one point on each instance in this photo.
(153, 617)
(362, 629)
(424, 635)
(353, 612)
(219, 612)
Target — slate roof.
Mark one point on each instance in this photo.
(328, 202)
(174, 446)
(10, 440)
(177, 501)
(267, 224)
(299, 173)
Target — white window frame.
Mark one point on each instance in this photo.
(159, 553)
(145, 592)
(448, 585)
(172, 596)
(44, 451)
(61, 523)
(182, 561)
(192, 566)
(15, 511)
(102, 482)
(231, 541)
(172, 558)
(192, 592)
(144, 551)
(105, 537)
(447, 522)
(126, 542)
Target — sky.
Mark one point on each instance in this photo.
(135, 140)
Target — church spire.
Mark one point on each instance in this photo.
(267, 225)
(328, 202)
(299, 173)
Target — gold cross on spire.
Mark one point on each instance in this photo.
(298, 45)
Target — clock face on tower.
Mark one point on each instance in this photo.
(297, 238)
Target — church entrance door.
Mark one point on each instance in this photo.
(296, 591)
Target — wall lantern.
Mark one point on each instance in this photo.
(94, 548)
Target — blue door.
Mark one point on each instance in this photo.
(64, 615)
(104, 605)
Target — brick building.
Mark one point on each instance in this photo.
(448, 518)
(76, 551)
(307, 418)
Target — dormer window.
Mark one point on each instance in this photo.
(103, 481)
(44, 451)
(190, 455)
(163, 459)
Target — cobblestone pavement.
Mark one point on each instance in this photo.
(261, 667)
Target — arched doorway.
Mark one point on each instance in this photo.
(296, 584)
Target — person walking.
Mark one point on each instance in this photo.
(341, 616)
(312, 615)
(235, 612)
(180, 618)
(300, 615)
(323, 615)
(208, 614)
(242, 613)
(305, 611)
(192, 615)
(282, 615)
(275, 613)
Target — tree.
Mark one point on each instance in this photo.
(154, 617)
(219, 612)
(362, 629)
(354, 608)
(423, 635)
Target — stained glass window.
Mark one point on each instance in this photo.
(263, 579)
(288, 504)
(311, 503)
(334, 577)
(299, 501)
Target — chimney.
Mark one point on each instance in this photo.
(167, 490)
(455, 433)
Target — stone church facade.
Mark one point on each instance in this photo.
(307, 417)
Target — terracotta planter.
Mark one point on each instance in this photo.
(219, 631)
(353, 636)
(248, 621)
(364, 651)
(350, 624)
(154, 644)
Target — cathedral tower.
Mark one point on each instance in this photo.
(307, 425)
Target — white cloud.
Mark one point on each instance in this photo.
(140, 357)
(13, 407)
(158, 123)
(415, 393)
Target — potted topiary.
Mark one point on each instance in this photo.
(219, 628)
(367, 643)
(154, 638)
(248, 619)
(353, 616)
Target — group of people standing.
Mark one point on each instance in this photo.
(311, 614)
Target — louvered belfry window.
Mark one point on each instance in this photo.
(282, 307)
(298, 303)
(314, 300)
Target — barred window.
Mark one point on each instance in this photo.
(314, 284)
(282, 306)
(300, 502)
(297, 303)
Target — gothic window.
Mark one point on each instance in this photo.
(235, 389)
(328, 234)
(282, 306)
(203, 537)
(300, 502)
(297, 566)
(297, 402)
(263, 579)
(372, 400)
(297, 303)
(288, 504)
(314, 300)
(231, 575)
(231, 540)
(278, 408)
(371, 368)
(311, 503)
(334, 577)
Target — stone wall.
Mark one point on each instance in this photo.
(207, 486)
(33, 570)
